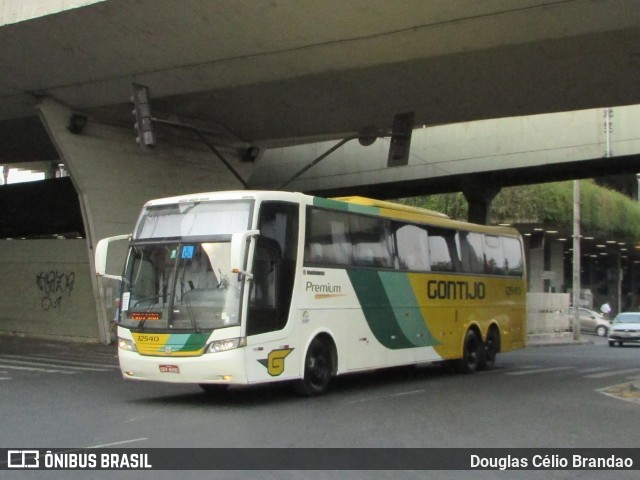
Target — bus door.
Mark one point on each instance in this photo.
(271, 353)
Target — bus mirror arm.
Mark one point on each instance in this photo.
(100, 258)
(239, 251)
(242, 273)
(112, 277)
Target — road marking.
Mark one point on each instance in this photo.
(32, 369)
(95, 367)
(48, 365)
(122, 442)
(613, 373)
(539, 370)
(402, 394)
(382, 397)
(625, 391)
(593, 370)
(92, 360)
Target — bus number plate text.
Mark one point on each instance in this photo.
(169, 369)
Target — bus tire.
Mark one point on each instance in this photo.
(471, 353)
(318, 368)
(490, 349)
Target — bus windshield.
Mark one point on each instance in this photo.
(193, 220)
(184, 286)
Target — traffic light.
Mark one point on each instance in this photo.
(400, 139)
(142, 111)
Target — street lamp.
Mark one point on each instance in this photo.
(576, 260)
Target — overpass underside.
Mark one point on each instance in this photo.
(482, 155)
(51, 288)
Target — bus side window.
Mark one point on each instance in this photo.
(412, 245)
(275, 266)
(327, 240)
(341, 248)
(442, 249)
(263, 291)
(470, 251)
(513, 261)
(494, 256)
(265, 273)
(370, 239)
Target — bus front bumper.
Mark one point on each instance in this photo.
(215, 368)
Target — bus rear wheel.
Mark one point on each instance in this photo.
(318, 368)
(489, 350)
(471, 353)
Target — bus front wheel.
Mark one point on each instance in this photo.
(318, 367)
(471, 353)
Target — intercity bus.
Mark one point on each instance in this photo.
(249, 287)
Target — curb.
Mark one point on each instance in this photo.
(559, 339)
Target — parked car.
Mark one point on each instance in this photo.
(593, 322)
(625, 328)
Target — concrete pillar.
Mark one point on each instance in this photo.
(114, 177)
(479, 198)
(536, 270)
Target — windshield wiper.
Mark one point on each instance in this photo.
(151, 305)
(192, 318)
(146, 299)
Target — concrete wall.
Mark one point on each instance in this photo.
(548, 312)
(553, 276)
(458, 149)
(14, 11)
(46, 289)
(114, 177)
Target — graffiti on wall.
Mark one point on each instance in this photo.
(54, 285)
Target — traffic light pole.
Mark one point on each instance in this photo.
(576, 260)
(204, 139)
(146, 135)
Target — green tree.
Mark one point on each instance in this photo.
(603, 211)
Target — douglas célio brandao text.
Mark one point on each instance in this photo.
(550, 462)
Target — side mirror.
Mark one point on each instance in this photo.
(239, 242)
(102, 249)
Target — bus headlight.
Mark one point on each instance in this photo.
(126, 344)
(227, 344)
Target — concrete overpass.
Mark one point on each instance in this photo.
(477, 158)
(267, 74)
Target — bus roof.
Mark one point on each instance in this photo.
(352, 203)
(421, 215)
(390, 206)
(228, 195)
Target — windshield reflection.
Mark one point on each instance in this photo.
(185, 286)
(627, 318)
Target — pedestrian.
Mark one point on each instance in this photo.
(606, 309)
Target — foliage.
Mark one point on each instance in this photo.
(603, 211)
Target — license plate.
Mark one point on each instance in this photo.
(169, 369)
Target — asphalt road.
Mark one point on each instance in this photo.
(58, 395)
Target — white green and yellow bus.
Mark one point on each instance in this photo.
(249, 287)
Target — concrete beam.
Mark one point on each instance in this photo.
(479, 198)
(114, 177)
(499, 152)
